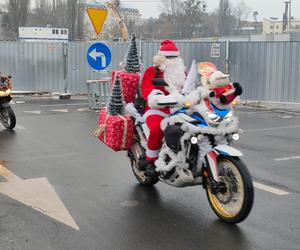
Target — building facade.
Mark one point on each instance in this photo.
(276, 26)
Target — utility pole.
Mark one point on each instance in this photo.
(290, 15)
(287, 16)
(172, 7)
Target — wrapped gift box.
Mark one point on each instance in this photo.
(115, 131)
(129, 83)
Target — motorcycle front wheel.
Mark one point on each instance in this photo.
(7, 117)
(234, 204)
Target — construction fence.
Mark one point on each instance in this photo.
(268, 71)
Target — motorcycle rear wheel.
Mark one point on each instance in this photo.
(140, 175)
(8, 118)
(234, 205)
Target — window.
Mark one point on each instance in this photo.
(277, 26)
(53, 32)
(271, 26)
(56, 32)
(65, 32)
(61, 32)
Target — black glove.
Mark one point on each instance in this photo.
(238, 88)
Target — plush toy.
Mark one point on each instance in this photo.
(222, 91)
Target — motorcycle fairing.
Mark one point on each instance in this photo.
(211, 164)
(220, 112)
(228, 151)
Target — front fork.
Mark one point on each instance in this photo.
(210, 171)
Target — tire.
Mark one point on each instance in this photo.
(236, 203)
(8, 118)
(140, 175)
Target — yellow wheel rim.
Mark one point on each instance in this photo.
(229, 204)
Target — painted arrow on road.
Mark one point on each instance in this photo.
(38, 194)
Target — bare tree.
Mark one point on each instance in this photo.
(225, 18)
(242, 11)
(18, 11)
(71, 14)
(171, 7)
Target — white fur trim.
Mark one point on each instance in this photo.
(197, 95)
(154, 98)
(131, 110)
(221, 130)
(154, 112)
(152, 153)
(169, 53)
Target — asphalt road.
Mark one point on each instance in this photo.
(112, 211)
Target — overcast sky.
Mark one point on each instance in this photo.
(266, 8)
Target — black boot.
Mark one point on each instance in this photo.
(150, 169)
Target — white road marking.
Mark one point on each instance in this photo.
(270, 189)
(267, 129)
(83, 110)
(60, 110)
(36, 112)
(20, 102)
(37, 194)
(20, 127)
(288, 158)
(62, 105)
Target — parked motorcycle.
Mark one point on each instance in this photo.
(197, 151)
(7, 115)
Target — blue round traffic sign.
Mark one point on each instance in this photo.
(99, 56)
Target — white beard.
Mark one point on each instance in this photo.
(174, 73)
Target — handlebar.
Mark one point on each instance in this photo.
(168, 104)
(159, 82)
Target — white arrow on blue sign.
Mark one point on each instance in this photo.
(99, 56)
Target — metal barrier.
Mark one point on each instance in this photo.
(268, 71)
(98, 92)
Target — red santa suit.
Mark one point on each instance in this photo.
(154, 114)
(153, 117)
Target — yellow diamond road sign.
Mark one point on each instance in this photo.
(97, 17)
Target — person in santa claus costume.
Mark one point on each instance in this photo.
(161, 82)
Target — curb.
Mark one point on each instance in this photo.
(286, 107)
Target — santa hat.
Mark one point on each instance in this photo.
(168, 48)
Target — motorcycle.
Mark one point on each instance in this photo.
(197, 150)
(7, 115)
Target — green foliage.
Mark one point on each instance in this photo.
(133, 62)
(116, 105)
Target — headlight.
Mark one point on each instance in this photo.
(228, 117)
(213, 117)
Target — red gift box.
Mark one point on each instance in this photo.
(115, 131)
(129, 83)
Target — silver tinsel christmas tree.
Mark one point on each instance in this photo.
(133, 62)
(116, 105)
